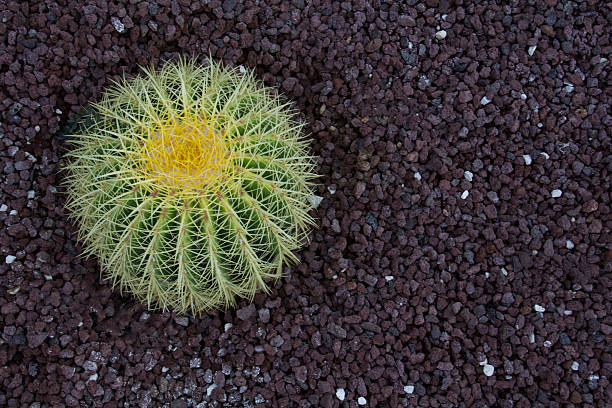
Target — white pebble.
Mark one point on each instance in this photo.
(331, 189)
(569, 244)
(117, 24)
(315, 200)
(417, 176)
(531, 338)
(440, 35)
(93, 377)
(527, 159)
(228, 326)
(242, 69)
(504, 271)
(362, 401)
(575, 366)
(523, 96)
(567, 312)
(488, 370)
(465, 194)
(3, 207)
(468, 175)
(539, 308)
(340, 394)
(10, 259)
(388, 278)
(58, 111)
(37, 128)
(547, 344)
(31, 194)
(556, 193)
(546, 156)
(13, 212)
(210, 389)
(531, 50)
(485, 100)
(408, 389)
(568, 87)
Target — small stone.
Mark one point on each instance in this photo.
(556, 193)
(408, 389)
(388, 278)
(195, 362)
(531, 50)
(539, 308)
(468, 175)
(10, 259)
(547, 343)
(575, 366)
(315, 200)
(527, 159)
(336, 330)
(246, 312)
(568, 87)
(417, 176)
(485, 100)
(569, 244)
(331, 189)
(117, 24)
(340, 394)
(182, 321)
(546, 155)
(90, 366)
(440, 35)
(242, 69)
(264, 315)
(590, 206)
(228, 326)
(564, 339)
(362, 401)
(507, 299)
(488, 370)
(465, 195)
(3, 208)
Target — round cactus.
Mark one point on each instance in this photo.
(190, 185)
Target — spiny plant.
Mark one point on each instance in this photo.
(190, 185)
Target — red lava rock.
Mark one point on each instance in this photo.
(437, 234)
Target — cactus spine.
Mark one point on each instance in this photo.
(190, 185)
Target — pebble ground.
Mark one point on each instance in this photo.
(463, 256)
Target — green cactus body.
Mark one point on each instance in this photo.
(190, 185)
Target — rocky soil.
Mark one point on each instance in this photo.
(463, 256)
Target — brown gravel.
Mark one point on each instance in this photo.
(464, 228)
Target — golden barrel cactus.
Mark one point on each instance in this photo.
(190, 185)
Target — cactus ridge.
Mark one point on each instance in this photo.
(190, 185)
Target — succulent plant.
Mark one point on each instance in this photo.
(190, 185)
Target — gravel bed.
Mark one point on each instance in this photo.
(463, 256)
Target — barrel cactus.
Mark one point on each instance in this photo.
(190, 185)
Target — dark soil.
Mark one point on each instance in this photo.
(463, 254)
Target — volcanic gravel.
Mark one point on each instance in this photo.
(463, 255)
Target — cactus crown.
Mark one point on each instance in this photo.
(190, 185)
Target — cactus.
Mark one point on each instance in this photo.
(190, 185)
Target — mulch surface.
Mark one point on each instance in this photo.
(463, 251)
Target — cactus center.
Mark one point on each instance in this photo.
(185, 154)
